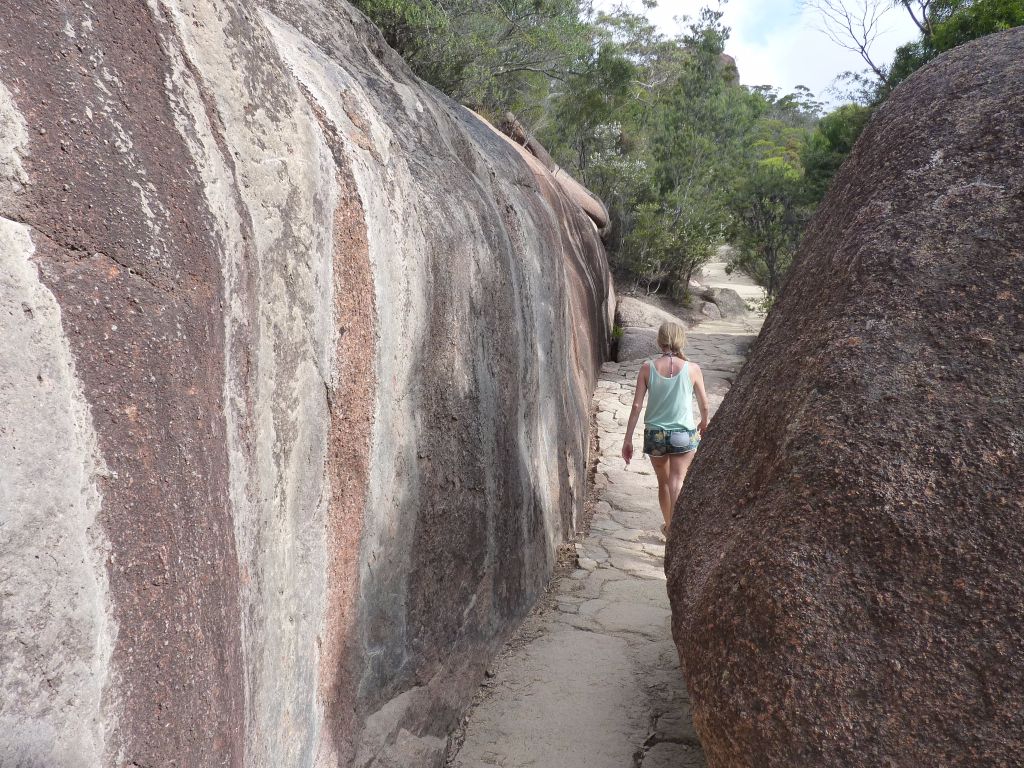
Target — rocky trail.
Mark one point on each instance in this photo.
(592, 678)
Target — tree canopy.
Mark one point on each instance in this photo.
(659, 127)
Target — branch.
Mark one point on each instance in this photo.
(924, 23)
(852, 25)
(553, 74)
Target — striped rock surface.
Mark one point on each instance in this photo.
(297, 361)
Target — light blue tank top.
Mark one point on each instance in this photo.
(669, 400)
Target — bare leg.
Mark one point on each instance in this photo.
(679, 465)
(662, 472)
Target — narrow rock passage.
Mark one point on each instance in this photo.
(592, 679)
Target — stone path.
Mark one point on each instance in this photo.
(592, 679)
(714, 275)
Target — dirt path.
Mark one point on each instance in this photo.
(592, 679)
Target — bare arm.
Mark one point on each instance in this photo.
(634, 413)
(702, 396)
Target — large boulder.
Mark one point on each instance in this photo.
(728, 301)
(632, 312)
(710, 311)
(295, 385)
(638, 344)
(846, 562)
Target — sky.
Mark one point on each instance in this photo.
(777, 42)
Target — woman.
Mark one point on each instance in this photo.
(670, 435)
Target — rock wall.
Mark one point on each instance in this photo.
(298, 357)
(845, 563)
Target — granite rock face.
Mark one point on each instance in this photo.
(846, 564)
(728, 301)
(631, 312)
(298, 357)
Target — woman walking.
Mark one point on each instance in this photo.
(670, 434)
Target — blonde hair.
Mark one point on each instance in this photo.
(672, 336)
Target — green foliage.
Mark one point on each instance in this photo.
(667, 241)
(827, 147)
(957, 22)
(638, 128)
(682, 154)
(493, 54)
(770, 210)
(773, 199)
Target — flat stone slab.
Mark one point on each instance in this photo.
(549, 708)
(667, 755)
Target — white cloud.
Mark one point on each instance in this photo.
(776, 42)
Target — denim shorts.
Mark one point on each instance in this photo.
(664, 442)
